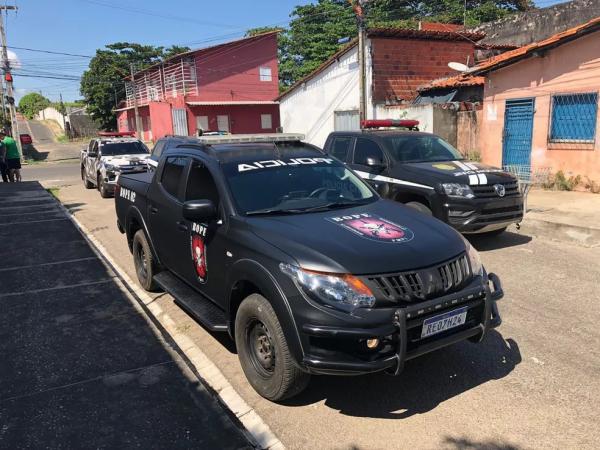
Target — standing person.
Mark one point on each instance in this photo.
(13, 157)
(3, 167)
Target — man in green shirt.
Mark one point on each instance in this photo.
(13, 157)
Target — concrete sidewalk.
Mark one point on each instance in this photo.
(563, 215)
(81, 367)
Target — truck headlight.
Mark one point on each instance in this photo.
(457, 190)
(110, 167)
(340, 291)
(474, 259)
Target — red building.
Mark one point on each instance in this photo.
(228, 87)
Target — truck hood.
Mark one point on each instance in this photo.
(381, 237)
(125, 160)
(463, 172)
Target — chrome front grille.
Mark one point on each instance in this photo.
(422, 284)
(488, 190)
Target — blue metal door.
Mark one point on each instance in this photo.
(518, 128)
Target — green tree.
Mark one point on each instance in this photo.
(315, 29)
(32, 103)
(102, 84)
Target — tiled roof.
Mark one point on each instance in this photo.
(456, 81)
(447, 35)
(513, 56)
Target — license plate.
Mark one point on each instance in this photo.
(443, 322)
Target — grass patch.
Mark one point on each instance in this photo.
(30, 162)
(62, 139)
(54, 192)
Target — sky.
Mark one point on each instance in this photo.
(82, 26)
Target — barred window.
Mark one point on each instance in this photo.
(574, 117)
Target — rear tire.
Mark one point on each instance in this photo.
(420, 207)
(86, 182)
(264, 353)
(143, 261)
(104, 193)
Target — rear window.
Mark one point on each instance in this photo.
(420, 148)
(123, 148)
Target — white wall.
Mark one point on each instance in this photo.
(422, 113)
(51, 113)
(310, 108)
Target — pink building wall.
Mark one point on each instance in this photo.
(573, 67)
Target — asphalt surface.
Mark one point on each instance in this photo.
(81, 367)
(52, 174)
(40, 133)
(534, 382)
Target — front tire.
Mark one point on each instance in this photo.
(264, 353)
(143, 261)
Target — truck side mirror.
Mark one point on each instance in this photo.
(199, 210)
(375, 163)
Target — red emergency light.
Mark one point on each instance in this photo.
(116, 133)
(383, 123)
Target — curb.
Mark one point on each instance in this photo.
(584, 236)
(256, 429)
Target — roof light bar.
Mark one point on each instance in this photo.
(250, 138)
(116, 133)
(389, 123)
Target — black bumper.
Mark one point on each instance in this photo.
(402, 333)
(482, 214)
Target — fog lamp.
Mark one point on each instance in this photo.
(372, 343)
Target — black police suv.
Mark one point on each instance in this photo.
(300, 260)
(425, 172)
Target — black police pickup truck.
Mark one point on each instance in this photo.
(300, 261)
(423, 171)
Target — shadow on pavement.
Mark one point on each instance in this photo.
(74, 207)
(425, 383)
(468, 444)
(80, 366)
(31, 152)
(504, 240)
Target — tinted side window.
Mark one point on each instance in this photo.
(172, 174)
(157, 150)
(201, 184)
(340, 147)
(366, 148)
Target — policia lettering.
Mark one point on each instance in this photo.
(197, 240)
(278, 163)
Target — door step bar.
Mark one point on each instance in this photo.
(202, 309)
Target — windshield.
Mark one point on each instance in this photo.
(294, 185)
(123, 148)
(420, 148)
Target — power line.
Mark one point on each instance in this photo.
(48, 51)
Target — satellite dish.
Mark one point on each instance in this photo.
(460, 67)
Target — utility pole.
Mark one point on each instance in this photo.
(8, 75)
(360, 18)
(135, 105)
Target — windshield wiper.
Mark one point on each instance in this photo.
(333, 205)
(267, 211)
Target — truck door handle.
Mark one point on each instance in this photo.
(153, 210)
(181, 226)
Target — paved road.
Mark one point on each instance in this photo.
(534, 383)
(40, 133)
(81, 367)
(53, 174)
